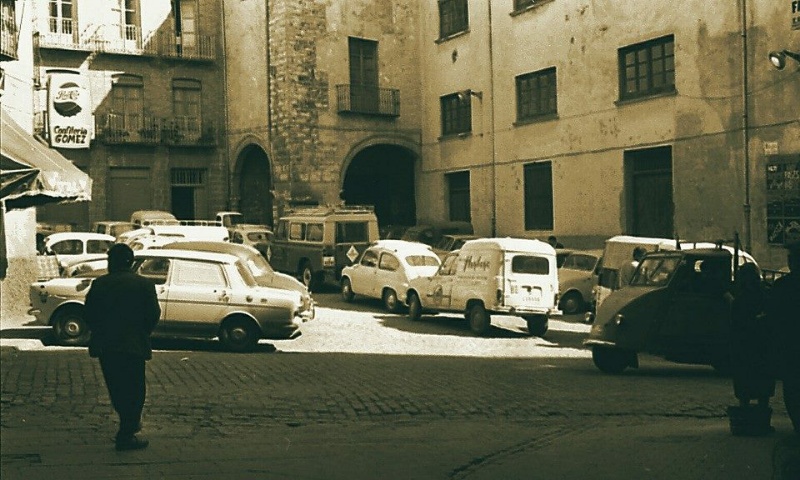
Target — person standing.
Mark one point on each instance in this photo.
(750, 339)
(122, 310)
(782, 312)
(627, 270)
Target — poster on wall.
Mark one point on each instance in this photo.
(783, 199)
(69, 110)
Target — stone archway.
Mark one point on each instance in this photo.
(255, 185)
(383, 176)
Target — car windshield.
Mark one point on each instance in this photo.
(582, 262)
(247, 275)
(258, 265)
(655, 272)
(446, 243)
(422, 261)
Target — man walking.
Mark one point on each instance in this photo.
(122, 311)
(782, 308)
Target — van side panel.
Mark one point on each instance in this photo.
(476, 273)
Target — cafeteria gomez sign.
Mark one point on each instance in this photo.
(69, 111)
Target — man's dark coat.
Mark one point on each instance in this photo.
(122, 310)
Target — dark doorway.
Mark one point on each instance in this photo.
(649, 173)
(255, 183)
(383, 176)
(183, 203)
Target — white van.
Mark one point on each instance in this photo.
(492, 276)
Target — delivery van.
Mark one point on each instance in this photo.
(492, 276)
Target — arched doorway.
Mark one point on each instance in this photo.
(383, 176)
(255, 183)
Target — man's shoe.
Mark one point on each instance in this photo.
(131, 443)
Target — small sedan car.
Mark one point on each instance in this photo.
(73, 247)
(577, 276)
(259, 267)
(201, 294)
(385, 270)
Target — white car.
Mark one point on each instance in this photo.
(74, 247)
(385, 270)
(201, 294)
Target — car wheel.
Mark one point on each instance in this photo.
(390, 302)
(572, 303)
(307, 276)
(537, 325)
(478, 319)
(414, 307)
(70, 328)
(239, 335)
(612, 360)
(347, 290)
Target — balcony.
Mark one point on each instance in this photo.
(188, 132)
(134, 129)
(129, 129)
(190, 46)
(368, 100)
(8, 39)
(126, 40)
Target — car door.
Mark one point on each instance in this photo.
(388, 273)
(157, 270)
(362, 277)
(440, 287)
(198, 296)
(698, 313)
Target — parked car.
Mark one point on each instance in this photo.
(577, 277)
(385, 270)
(72, 247)
(317, 243)
(146, 242)
(113, 228)
(259, 268)
(449, 242)
(500, 276)
(675, 307)
(252, 235)
(430, 234)
(143, 218)
(201, 294)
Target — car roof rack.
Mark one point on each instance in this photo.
(323, 210)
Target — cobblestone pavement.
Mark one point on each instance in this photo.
(332, 404)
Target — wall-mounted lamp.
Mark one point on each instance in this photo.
(778, 59)
(464, 95)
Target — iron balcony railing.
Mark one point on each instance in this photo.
(137, 129)
(368, 100)
(8, 39)
(117, 128)
(188, 131)
(126, 40)
(189, 45)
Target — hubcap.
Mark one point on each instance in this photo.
(238, 334)
(73, 328)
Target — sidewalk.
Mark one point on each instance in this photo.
(44, 447)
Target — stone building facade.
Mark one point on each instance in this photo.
(154, 72)
(524, 117)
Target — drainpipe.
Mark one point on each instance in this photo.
(745, 133)
(224, 130)
(492, 127)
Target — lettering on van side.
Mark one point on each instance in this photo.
(475, 264)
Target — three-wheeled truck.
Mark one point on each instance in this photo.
(676, 307)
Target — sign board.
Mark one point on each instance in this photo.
(783, 199)
(68, 110)
(795, 14)
(770, 148)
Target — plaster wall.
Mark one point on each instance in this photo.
(702, 121)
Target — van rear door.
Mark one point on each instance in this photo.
(531, 281)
